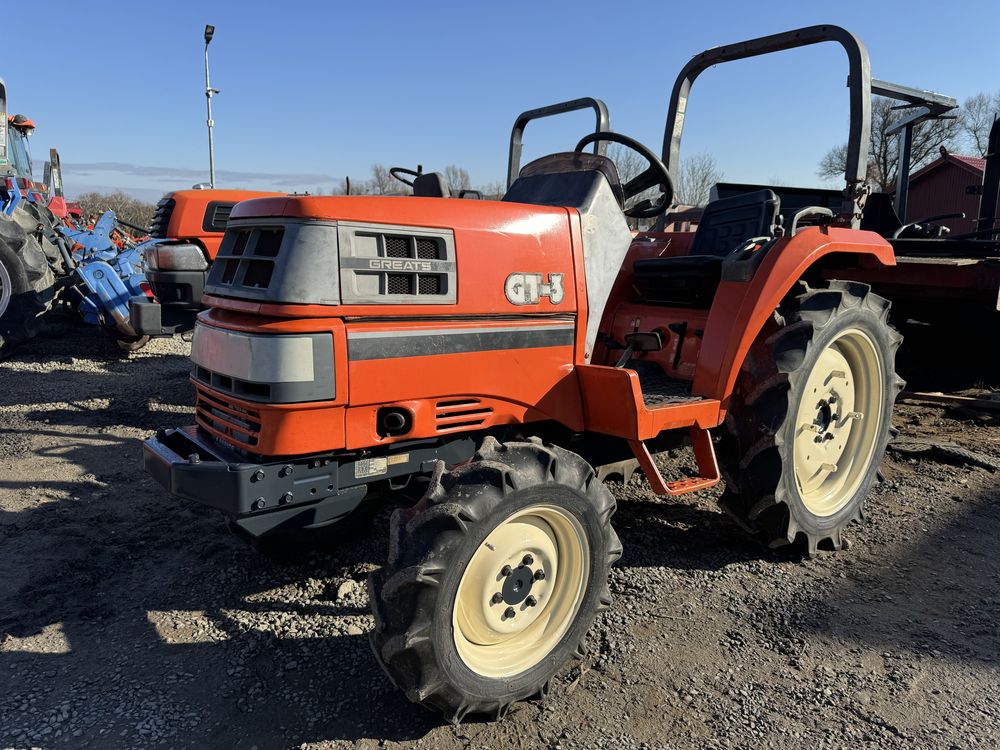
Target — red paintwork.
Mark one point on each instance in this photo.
(58, 206)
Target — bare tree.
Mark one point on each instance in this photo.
(883, 154)
(382, 182)
(457, 178)
(494, 190)
(976, 118)
(694, 179)
(126, 208)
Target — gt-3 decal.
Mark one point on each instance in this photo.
(529, 288)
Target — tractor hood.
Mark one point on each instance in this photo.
(490, 257)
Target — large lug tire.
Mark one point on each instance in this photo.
(810, 417)
(464, 621)
(25, 286)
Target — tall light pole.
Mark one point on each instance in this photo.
(209, 93)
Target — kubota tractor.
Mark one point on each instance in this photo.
(188, 225)
(495, 353)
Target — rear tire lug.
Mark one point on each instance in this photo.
(496, 598)
(509, 613)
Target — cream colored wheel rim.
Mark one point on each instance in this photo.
(521, 591)
(838, 422)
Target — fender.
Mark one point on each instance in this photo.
(742, 308)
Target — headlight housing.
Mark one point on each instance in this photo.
(175, 257)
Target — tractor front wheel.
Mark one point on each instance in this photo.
(810, 417)
(25, 286)
(494, 578)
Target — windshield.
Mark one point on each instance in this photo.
(18, 152)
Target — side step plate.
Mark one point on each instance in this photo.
(704, 453)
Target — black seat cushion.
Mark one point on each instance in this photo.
(691, 280)
(727, 223)
(563, 179)
(431, 185)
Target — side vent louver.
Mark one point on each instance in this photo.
(217, 216)
(460, 414)
(248, 260)
(161, 218)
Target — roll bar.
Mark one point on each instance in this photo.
(859, 83)
(603, 122)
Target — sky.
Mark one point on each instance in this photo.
(315, 91)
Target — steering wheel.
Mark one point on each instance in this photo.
(654, 175)
(397, 171)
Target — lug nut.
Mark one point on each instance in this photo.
(527, 560)
(506, 570)
(531, 601)
(286, 498)
(257, 475)
(194, 458)
(496, 598)
(509, 612)
(539, 575)
(259, 503)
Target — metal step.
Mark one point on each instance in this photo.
(658, 388)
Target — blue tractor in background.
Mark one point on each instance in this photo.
(46, 257)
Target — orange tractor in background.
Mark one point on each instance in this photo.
(189, 225)
(497, 354)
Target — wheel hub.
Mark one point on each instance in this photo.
(517, 585)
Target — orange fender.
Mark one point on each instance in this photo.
(742, 308)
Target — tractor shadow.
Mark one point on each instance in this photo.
(139, 615)
(134, 609)
(935, 596)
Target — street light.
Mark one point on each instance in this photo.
(209, 92)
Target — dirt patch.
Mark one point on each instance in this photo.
(128, 618)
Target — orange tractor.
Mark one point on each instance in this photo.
(189, 225)
(496, 354)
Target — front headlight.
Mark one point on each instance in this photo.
(283, 368)
(175, 257)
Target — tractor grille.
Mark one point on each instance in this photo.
(217, 216)
(460, 414)
(384, 264)
(417, 248)
(248, 261)
(225, 420)
(161, 218)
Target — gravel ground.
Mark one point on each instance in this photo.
(129, 619)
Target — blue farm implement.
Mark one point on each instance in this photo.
(45, 255)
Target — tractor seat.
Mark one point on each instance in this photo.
(564, 179)
(691, 280)
(431, 185)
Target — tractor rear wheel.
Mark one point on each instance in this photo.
(494, 578)
(25, 286)
(810, 417)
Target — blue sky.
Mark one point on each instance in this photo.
(313, 91)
